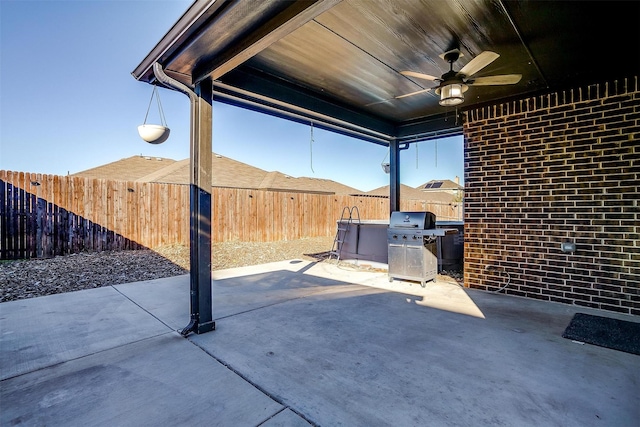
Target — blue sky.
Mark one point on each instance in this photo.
(68, 103)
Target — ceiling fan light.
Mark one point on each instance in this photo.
(451, 94)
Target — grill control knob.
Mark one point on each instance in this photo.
(404, 237)
(414, 238)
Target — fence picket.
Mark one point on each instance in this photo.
(46, 215)
(4, 238)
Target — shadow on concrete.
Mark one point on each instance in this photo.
(301, 343)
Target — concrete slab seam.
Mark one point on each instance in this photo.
(144, 309)
(257, 386)
(284, 408)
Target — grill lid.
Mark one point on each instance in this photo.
(412, 220)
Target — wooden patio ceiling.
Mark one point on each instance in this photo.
(339, 63)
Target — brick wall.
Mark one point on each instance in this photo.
(554, 168)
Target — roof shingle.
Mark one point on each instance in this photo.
(227, 173)
(411, 193)
(129, 169)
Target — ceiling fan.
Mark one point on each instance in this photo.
(453, 84)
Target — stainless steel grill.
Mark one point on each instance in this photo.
(411, 241)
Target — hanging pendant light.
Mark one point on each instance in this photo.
(386, 166)
(154, 134)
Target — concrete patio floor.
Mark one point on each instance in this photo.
(301, 343)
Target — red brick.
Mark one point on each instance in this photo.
(563, 166)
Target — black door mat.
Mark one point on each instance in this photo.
(605, 332)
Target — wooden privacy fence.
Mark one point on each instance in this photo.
(47, 215)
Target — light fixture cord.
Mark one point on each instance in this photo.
(163, 121)
(386, 155)
(160, 110)
(311, 148)
(149, 106)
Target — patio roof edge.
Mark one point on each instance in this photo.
(183, 27)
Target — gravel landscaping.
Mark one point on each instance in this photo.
(36, 277)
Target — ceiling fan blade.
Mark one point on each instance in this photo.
(478, 63)
(418, 75)
(505, 79)
(413, 93)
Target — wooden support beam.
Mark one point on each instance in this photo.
(200, 224)
(394, 176)
(201, 119)
(394, 173)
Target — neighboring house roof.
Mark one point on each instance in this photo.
(277, 181)
(439, 185)
(405, 192)
(411, 193)
(227, 173)
(129, 169)
(439, 196)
